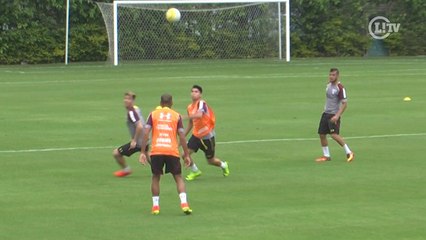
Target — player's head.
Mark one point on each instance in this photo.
(333, 76)
(129, 99)
(166, 100)
(196, 92)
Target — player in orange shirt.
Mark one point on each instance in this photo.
(166, 125)
(202, 123)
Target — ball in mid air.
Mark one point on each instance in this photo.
(172, 15)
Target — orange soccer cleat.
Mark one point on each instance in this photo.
(323, 159)
(155, 210)
(122, 173)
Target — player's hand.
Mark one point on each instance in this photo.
(132, 144)
(187, 160)
(334, 119)
(142, 159)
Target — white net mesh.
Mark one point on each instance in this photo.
(205, 31)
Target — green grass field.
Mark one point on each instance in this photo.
(71, 118)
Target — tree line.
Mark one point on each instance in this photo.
(33, 31)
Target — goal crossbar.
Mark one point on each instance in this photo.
(130, 2)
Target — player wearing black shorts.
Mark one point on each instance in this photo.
(207, 145)
(135, 124)
(335, 105)
(166, 125)
(202, 122)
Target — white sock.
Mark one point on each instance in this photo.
(156, 201)
(326, 151)
(223, 165)
(127, 169)
(194, 168)
(182, 197)
(347, 150)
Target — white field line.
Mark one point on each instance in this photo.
(215, 77)
(221, 143)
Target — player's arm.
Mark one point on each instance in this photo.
(343, 104)
(188, 127)
(138, 132)
(198, 114)
(146, 131)
(342, 109)
(134, 118)
(182, 141)
(202, 108)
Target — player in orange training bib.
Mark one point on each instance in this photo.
(202, 123)
(166, 126)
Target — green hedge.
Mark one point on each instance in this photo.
(32, 31)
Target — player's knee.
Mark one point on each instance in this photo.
(116, 153)
(211, 160)
(156, 177)
(323, 136)
(335, 136)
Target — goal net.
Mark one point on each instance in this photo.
(220, 29)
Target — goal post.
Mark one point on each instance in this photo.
(119, 5)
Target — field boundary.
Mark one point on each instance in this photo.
(219, 143)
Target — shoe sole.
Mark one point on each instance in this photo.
(191, 179)
(120, 176)
(187, 211)
(321, 161)
(351, 158)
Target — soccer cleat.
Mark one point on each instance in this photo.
(155, 210)
(193, 175)
(186, 209)
(122, 173)
(323, 159)
(350, 156)
(226, 170)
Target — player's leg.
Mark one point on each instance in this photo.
(180, 185)
(209, 149)
(174, 167)
(335, 129)
(155, 190)
(157, 164)
(118, 155)
(339, 139)
(323, 130)
(193, 146)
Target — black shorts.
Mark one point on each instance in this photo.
(206, 145)
(328, 127)
(126, 151)
(172, 163)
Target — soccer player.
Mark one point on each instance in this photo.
(166, 125)
(135, 124)
(335, 105)
(202, 122)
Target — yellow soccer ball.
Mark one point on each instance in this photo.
(172, 15)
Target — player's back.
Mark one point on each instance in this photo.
(165, 124)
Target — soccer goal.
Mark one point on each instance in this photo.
(208, 29)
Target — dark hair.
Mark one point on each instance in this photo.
(334, 70)
(130, 94)
(198, 87)
(166, 99)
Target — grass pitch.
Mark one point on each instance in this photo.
(59, 126)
